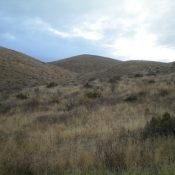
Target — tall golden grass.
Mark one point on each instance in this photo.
(61, 130)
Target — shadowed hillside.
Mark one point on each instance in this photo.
(18, 70)
(96, 67)
(137, 68)
(84, 64)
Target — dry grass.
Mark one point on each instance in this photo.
(18, 71)
(89, 67)
(61, 130)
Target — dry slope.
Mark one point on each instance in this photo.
(91, 66)
(84, 64)
(18, 70)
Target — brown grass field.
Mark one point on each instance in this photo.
(92, 128)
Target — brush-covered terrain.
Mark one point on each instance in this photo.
(96, 67)
(108, 123)
(18, 71)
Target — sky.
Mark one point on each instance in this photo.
(121, 29)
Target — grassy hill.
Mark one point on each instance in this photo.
(124, 127)
(84, 64)
(96, 67)
(137, 68)
(18, 70)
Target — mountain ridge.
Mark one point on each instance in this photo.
(93, 66)
(18, 70)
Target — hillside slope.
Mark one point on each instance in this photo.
(91, 66)
(84, 64)
(18, 70)
(134, 68)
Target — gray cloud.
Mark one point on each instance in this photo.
(134, 29)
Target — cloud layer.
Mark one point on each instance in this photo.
(128, 29)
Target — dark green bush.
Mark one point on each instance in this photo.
(163, 92)
(164, 126)
(4, 108)
(131, 98)
(114, 79)
(22, 96)
(52, 84)
(87, 85)
(137, 75)
(93, 94)
(151, 81)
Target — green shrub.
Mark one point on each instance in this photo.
(4, 108)
(138, 75)
(92, 79)
(87, 85)
(151, 81)
(93, 94)
(163, 92)
(22, 96)
(114, 79)
(131, 98)
(52, 84)
(164, 126)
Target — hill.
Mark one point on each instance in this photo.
(97, 67)
(137, 68)
(18, 70)
(94, 128)
(84, 64)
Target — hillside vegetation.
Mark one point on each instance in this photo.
(96, 67)
(18, 71)
(114, 126)
(84, 64)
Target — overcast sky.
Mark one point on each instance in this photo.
(121, 29)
